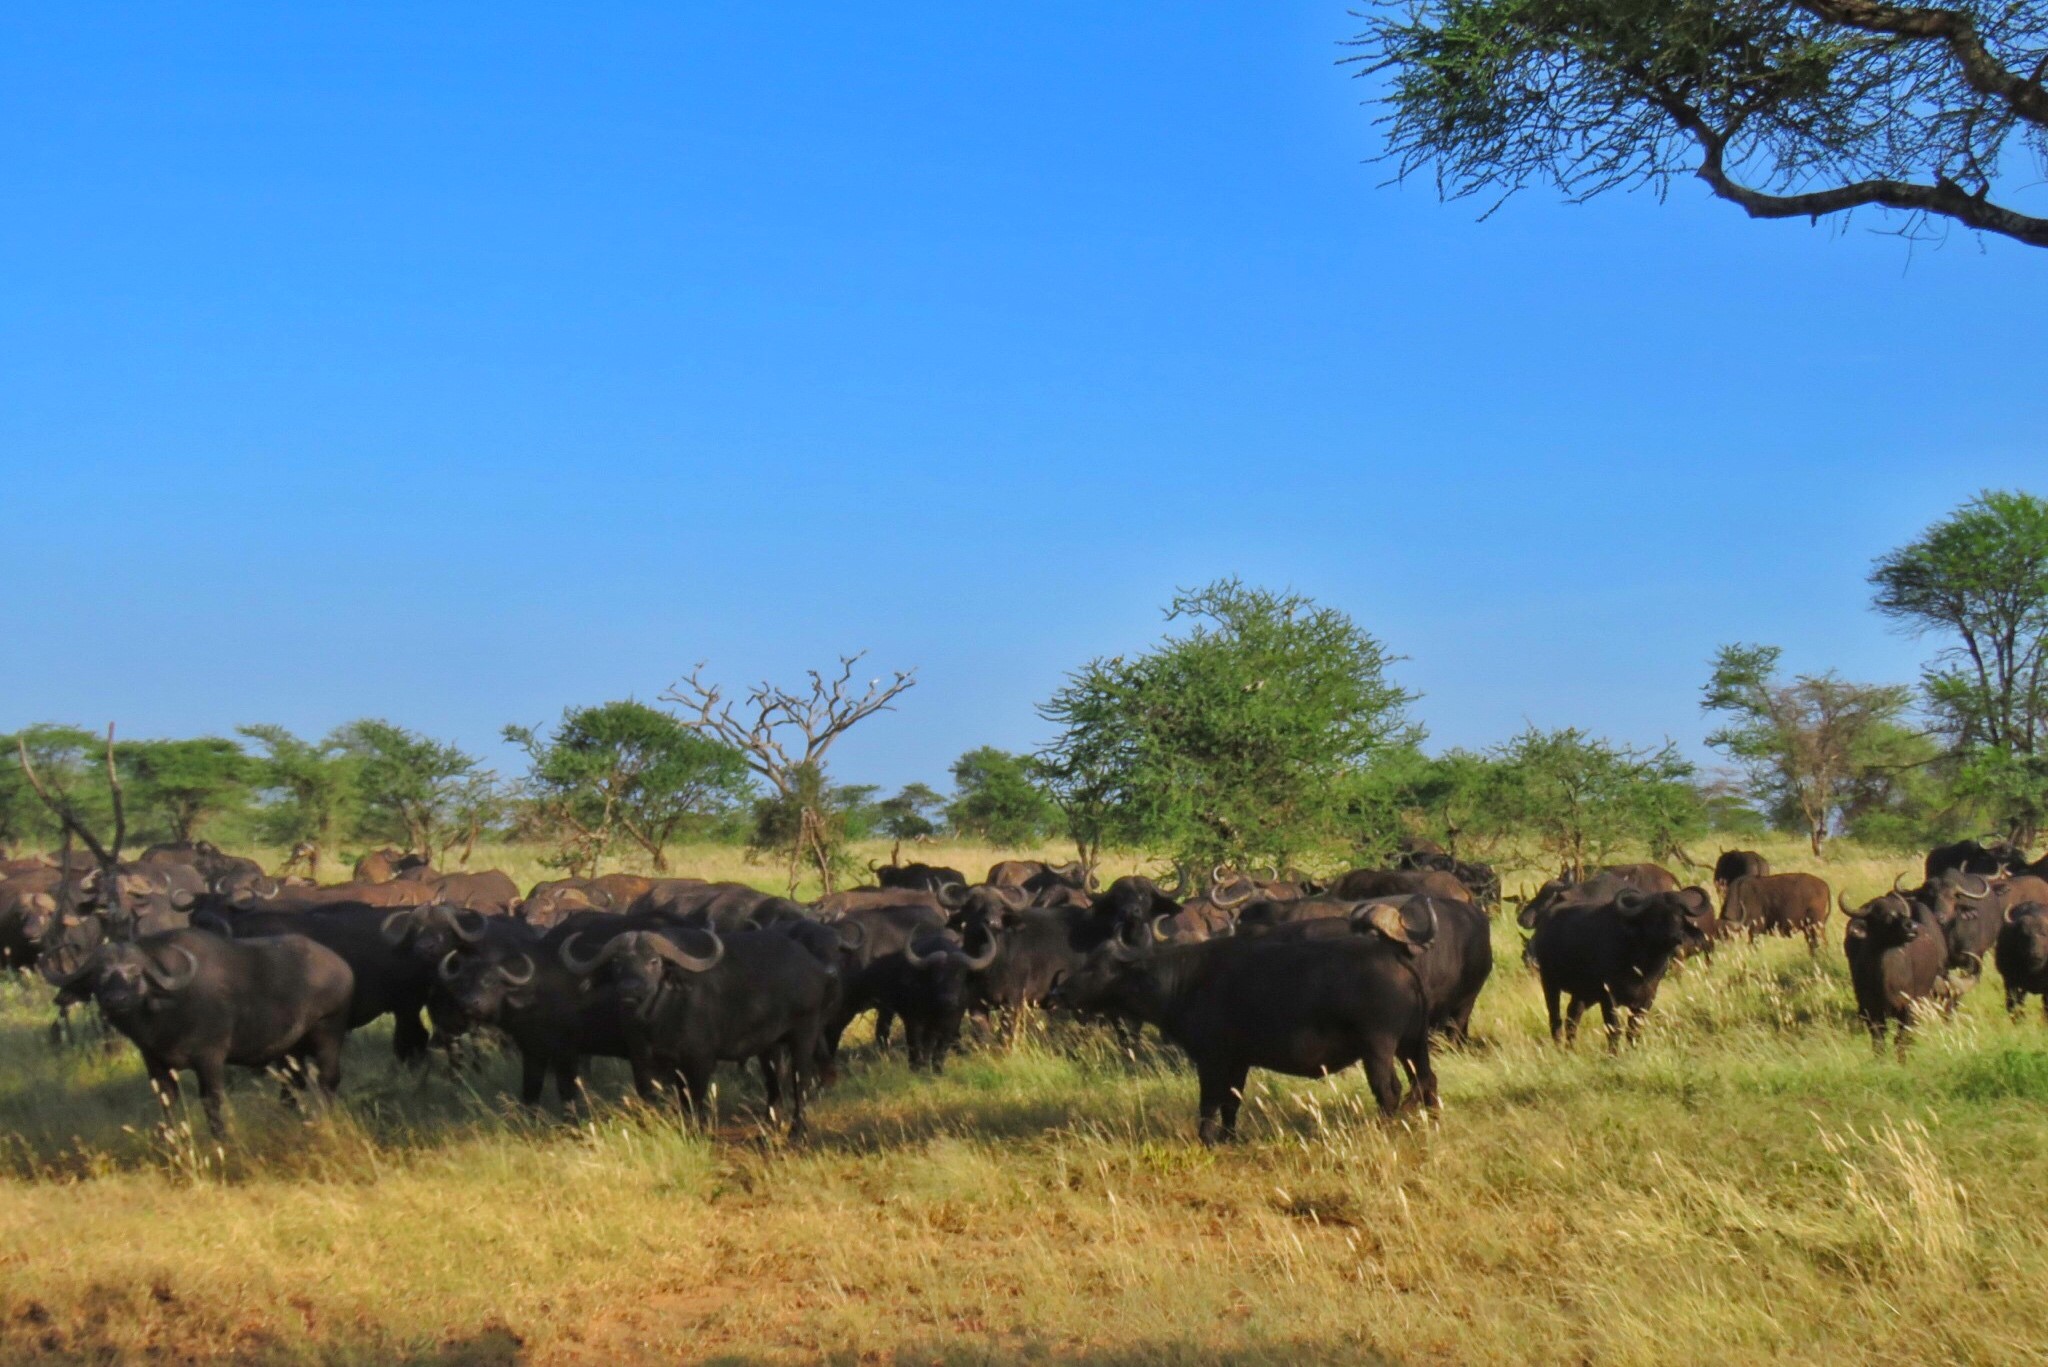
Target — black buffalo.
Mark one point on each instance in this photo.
(929, 985)
(1301, 1007)
(754, 995)
(2022, 955)
(192, 999)
(1898, 965)
(1612, 954)
(1734, 864)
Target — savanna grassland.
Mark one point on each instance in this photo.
(1748, 1184)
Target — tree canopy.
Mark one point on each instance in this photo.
(1808, 745)
(1978, 581)
(1786, 108)
(1233, 743)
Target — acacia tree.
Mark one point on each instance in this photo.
(1785, 108)
(1584, 799)
(1807, 746)
(308, 786)
(1233, 743)
(997, 798)
(625, 767)
(784, 735)
(1978, 580)
(422, 794)
(183, 783)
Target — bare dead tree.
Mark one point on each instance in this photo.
(108, 860)
(784, 735)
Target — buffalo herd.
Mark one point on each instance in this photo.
(204, 960)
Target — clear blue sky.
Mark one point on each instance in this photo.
(453, 363)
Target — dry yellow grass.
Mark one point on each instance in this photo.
(1749, 1184)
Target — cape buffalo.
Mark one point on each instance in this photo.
(1898, 964)
(2022, 955)
(191, 999)
(1302, 1007)
(1613, 954)
(1778, 904)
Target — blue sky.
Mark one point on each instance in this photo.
(456, 363)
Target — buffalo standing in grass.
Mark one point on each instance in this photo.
(2022, 955)
(928, 985)
(1778, 904)
(191, 999)
(1297, 1006)
(1612, 954)
(1898, 965)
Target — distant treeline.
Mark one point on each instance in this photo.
(1265, 734)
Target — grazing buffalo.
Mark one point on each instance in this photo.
(755, 995)
(1734, 864)
(1777, 904)
(2022, 955)
(1301, 1007)
(1898, 964)
(191, 999)
(1613, 954)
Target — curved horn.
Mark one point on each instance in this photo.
(1163, 930)
(977, 963)
(1983, 885)
(951, 896)
(446, 968)
(506, 973)
(51, 967)
(583, 968)
(393, 928)
(172, 982)
(1246, 890)
(1218, 873)
(857, 940)
(1854, 913)
(1016, 899)
(1842, 901)
(1385, 918)
(454, 920)
(690, 963)
(917, 960)
(1899, 884)
(1122, 950)
(1630, 902)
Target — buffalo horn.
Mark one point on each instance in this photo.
(952, 896)
(1245, 888)
(172, 982)
(978, 962)
(446, 967)
(454, 920)
(1161, 930)
(1629, 902)
(917, 960)
(852, 934)
(1983, 889)
(394, 927)
(690, 963)
(505, 971)
(583, 968)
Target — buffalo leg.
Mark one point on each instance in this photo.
(213, 1082)
(409, 1036)
(1222, 1093)
(327, 1061)
(568, 1087)
(1635, 1024)
(1576, 1009)
(696, 1076)
(1384, 1078)
(885, 1020)
(533, 1076)
(1611, 1018)
(1550, 995)
(2016, 1002)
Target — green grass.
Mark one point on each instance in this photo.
(1749, 1184)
